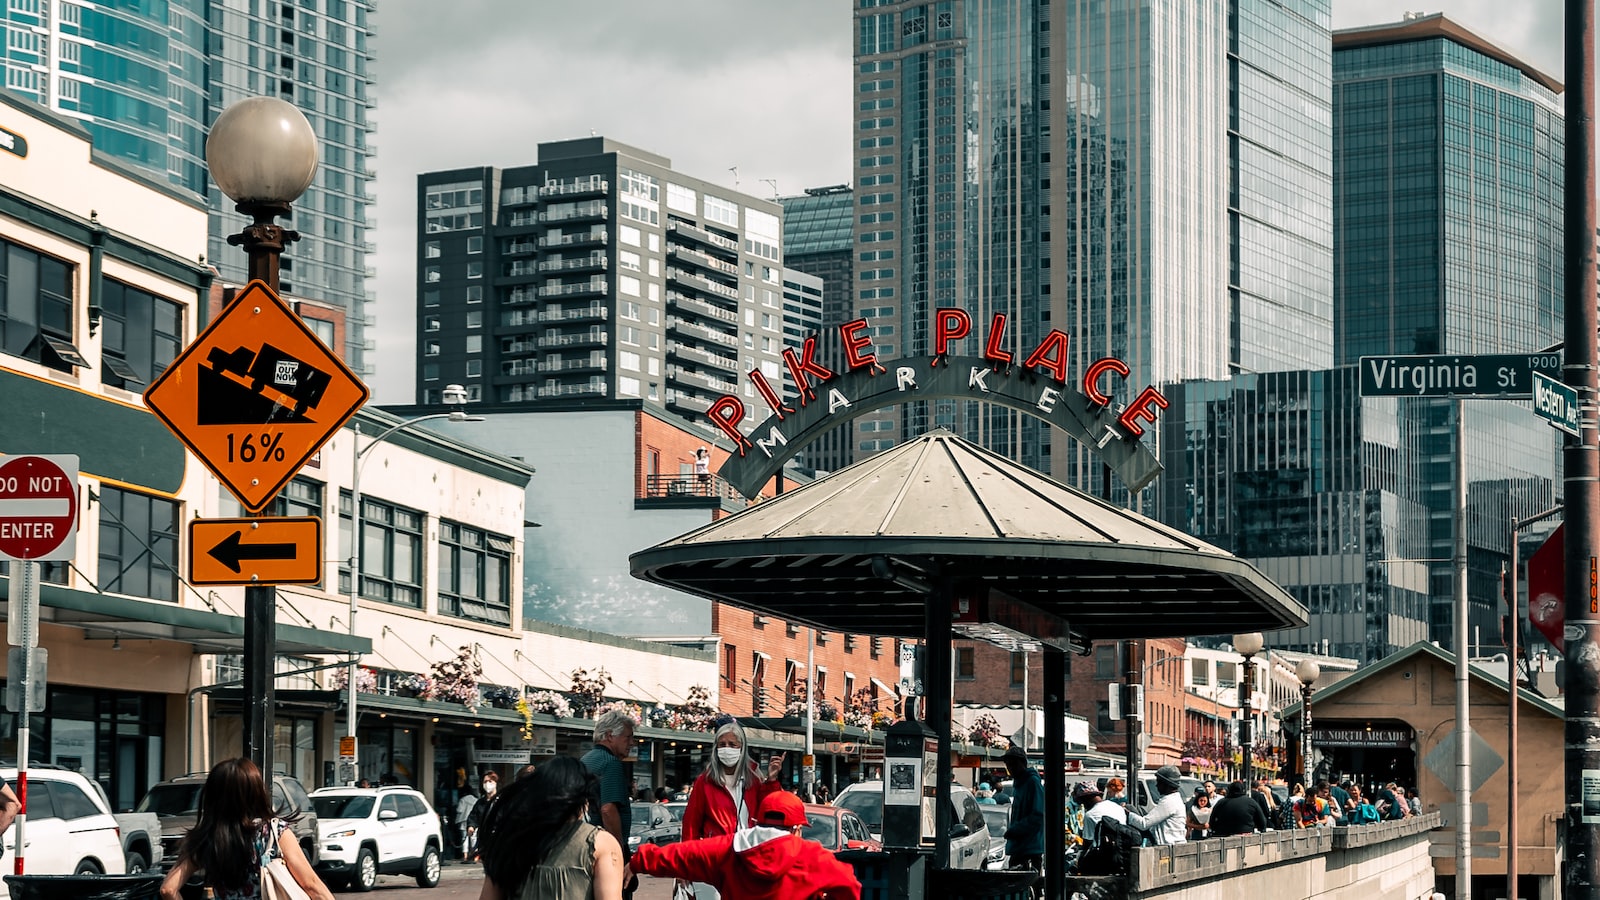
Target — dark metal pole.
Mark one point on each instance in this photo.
(937, 712)
(260, 607)
(1130, 716)
(1580, 463)
(1055, 770)
(1247, 737)
(1509, 580)
(263, 242)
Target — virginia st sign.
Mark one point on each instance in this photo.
(1507, 376)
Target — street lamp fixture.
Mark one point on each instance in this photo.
(455, 395)
(262, 153)
(1308, 672)
(1248, 645)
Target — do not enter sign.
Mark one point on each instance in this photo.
(38, 507)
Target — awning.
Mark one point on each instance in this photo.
(108, 615)
(893, 692)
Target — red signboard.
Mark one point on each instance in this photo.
(38, 507)
(1547, 595)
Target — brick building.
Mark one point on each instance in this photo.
(763, 665)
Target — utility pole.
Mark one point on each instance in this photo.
(1130, 715)
(1581, 468)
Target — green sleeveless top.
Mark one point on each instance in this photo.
(568, 872)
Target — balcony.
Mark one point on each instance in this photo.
(567, 212)
(703, 260)
(518, 267)
(568, 264)
(592, 286)
(522, 293)
(699, 355)
(593, 337)
(575, 188)
(701, 283)
(595, 363)
(519, 367)
(688, 403)
(689, 491)
(518, 347)
(575, 314)
(574, 390)
(519, 247)
(518, 318)
(702, 380)
(701, 333)
(702, 236)
(592, 236)
(684, 303)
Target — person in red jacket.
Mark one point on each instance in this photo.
(725, 797)
(769, 861)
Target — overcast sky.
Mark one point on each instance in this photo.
(761, 86)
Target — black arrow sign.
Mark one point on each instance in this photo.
(231, 551)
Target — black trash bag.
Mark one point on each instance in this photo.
(84, 887)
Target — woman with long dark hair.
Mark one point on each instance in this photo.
(538, 846)
(234, 834)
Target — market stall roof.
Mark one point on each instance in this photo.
(855, 551)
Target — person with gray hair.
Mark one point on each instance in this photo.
(612, 808)
(725, 797)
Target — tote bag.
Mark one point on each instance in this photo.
(277, 882)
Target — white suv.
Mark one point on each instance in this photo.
(70, 829)
(969, 835)
(367, 832)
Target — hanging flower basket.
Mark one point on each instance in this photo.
(366, 680)
(419, 686)
(455, 680)
(549, 703)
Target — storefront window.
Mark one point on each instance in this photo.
(112, 737)
(294, 749)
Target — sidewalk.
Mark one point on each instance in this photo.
(649, 888)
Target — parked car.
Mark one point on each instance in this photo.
(837, 829)
(677, 810)
(652, 824)
(141, 836)
(969, 836)
(177, 803)
(367, 832)
(998, 819)
(70, 827)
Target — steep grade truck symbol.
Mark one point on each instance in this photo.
(280, 388)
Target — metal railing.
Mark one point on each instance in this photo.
(689, 485)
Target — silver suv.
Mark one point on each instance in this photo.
(367, 832)
(969, 835)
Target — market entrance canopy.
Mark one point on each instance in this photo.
(861, 550)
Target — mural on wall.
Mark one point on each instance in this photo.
(596, 592)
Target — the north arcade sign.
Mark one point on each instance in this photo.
(1037, 386)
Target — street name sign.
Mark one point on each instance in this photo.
(1557, 402)
(39, 507)
(1507, 376)
(278, 550)
(256, 395)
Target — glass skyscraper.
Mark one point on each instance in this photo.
(147, 79)
(1136, 174)
(1320, 489)
(819, 239)
(1448, 187)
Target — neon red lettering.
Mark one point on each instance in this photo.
(991, 349)
(768, 394)
(726, 414)
(1091, 379)
(803, 366)
(854, 342)
(949, 325)
(1054, 342)
(1141, 409)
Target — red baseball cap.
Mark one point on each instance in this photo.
(782, 809)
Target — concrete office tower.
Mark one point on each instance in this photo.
(1133, 174)
(147, 80)
(1447, 211)
(819, 239)
(596, 272)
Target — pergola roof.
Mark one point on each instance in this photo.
(942, 507)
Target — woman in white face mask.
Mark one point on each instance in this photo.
(725, 797)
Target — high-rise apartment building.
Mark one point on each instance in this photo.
(819, 239)
(1447, 221)
(597, 272)
(148, 79)
(1137, 175)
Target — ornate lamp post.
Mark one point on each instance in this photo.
(1308, 672)
(262, 154)
(1248, 645)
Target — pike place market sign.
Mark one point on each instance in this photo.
(1037, 386)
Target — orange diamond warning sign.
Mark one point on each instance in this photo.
(256, 395)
